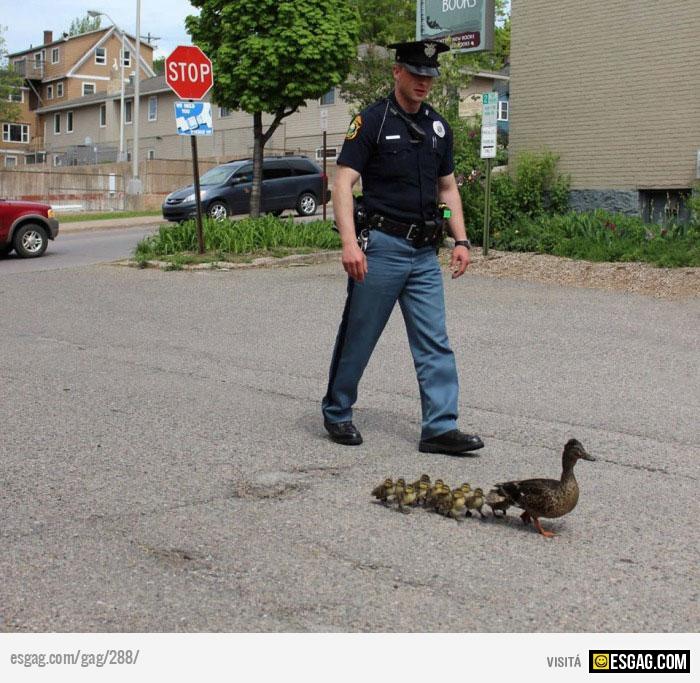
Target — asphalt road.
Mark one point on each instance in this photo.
(80, 248)
(164, 467)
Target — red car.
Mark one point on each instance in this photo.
(26, 227)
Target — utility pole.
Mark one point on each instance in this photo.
(135, 186)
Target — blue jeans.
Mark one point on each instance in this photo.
(396, 272)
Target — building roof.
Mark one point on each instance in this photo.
(148, 86)
(65, 38)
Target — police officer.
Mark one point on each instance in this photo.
(402, 149)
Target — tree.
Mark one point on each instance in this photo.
(270, 56)
(10, 82)
(159, 66)
(369, 78)
(87, 23)
(385, 21)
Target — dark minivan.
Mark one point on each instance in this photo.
(289, 182)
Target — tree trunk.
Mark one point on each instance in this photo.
(258, 147)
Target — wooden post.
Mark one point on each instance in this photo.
(487, 207)
(197, 198)
(325, 177)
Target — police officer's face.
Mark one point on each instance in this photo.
(410, 87)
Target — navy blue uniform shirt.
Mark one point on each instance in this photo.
(399, 176)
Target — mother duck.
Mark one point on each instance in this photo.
(547, 497)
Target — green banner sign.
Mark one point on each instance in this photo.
(467, 25)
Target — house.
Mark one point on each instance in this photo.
(87, 129)
(65, 70)
(482, 82)
(614, 90)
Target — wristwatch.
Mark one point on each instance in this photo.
(463, 243)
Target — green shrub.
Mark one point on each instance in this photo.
(602, 236)
(249, 235)
(534, 188)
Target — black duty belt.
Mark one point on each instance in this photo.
(420, 234)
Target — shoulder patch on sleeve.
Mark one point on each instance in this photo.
(354, 128)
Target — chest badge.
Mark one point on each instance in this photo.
(354, 128)
(439, 129)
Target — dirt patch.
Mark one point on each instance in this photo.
(638, 278)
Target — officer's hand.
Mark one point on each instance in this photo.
(459, 261)
(354, 262)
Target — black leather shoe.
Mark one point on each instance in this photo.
(451, 443)
(344, 433)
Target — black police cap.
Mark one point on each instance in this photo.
(421, 56)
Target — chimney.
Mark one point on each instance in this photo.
(48, 37)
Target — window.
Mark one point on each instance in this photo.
(276, 169)
(56, 160)
(37, 158)
(224, 112)
(59, 89)
(244, 174)
(503, 110)
(128, 111)
(16, 95)
(151, 154)
(15, 132)
(10, 162)
(100, 55)
(103, 115)
(69, 122)
(49, 92)
(55, 57)
(38, 59)
(152, 108)
(88, 88)
(127, 57)
(56, 124)
(331, 153)
(328, 98)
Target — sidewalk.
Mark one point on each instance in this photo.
(141, 221)
(109, 224)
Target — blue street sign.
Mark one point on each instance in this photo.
(193, 118)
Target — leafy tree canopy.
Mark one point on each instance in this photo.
(84, 24)
(386, 21)
(272, 55)
(10, 82)
(159, 66)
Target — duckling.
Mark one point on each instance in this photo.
(547, 497)
(458, 503)
(406, 498)
(432, 491)
(384, 491)
(422, 486)
(497, 502)
(475, 501)
(443, 501)
(465, 488)
(399, 488)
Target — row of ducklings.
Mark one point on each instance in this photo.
(439, 497)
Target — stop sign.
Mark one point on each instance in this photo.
(188, 72)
